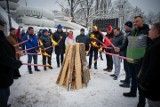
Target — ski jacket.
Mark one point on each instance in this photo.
(60, 38)
(33, 42)
(136, 43)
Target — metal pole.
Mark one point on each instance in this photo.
(9, 15)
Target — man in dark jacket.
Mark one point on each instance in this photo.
(46, 40)
(82, 38)
(149, 75)
(8, 64)
(59, 36)
(32, 43)
(117, 41)
(136, 44)
(126, 81)
(94, 39)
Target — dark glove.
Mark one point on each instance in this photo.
(43, 50)
(42, 47)
(18, 64)
(137, 61)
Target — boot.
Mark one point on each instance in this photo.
(129, 94)
(50, 67)
(45, 68)
(95, 66)
(106, 69)
(125, 85)
(37, 70)
(30, 72)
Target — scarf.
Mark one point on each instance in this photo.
(70, 36)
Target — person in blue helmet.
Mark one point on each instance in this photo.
(59, 36)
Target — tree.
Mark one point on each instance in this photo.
(70, 8)
(73, 4)
(86, 8)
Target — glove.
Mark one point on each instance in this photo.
(18, 64)
(43, 50)
(42, 47)
(137, 61)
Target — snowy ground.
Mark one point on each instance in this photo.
(40, 89)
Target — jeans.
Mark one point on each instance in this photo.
(117, 65)
(30, 60)
(95, 51)
(153, 103)
(4, 96)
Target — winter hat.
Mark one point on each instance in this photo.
(59, 26)
(2, 23)
(44, 30)
(82, 30)
(109, 28)
(129, 24)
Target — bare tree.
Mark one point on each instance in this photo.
(152, 17)
(73, 4)
(71, 7)
(86, 8)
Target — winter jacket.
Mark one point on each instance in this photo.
(117, 41)
(149, 76)
(13, 40)
(69, 41)
(82, 39)
(136, 43)
(59, 37)
(7, 62)
(107, 41)
(46, 40)
(33, 42)
(124, 52)
(108, 37)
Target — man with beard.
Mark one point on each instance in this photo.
(136, 45)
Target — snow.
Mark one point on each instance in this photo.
(40, 89)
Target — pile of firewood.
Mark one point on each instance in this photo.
(74, 73)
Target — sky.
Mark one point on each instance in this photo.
(146, 5)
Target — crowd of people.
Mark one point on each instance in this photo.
(139, 43)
